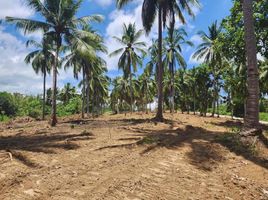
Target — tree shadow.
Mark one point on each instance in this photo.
(41, 143)
(208, 148)
(78, 121)
(134, 121)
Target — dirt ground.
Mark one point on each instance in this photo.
(129, 157)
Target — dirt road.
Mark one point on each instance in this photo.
(128, 157)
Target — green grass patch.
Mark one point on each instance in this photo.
(4, 118)
(148, 140)
(264, 116)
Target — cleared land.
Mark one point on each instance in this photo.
(130, 157)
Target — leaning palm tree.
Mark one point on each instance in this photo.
(60, 23)
(41, 59)
(130, 58)
(165, 9)
(209, 52)
(173, 55)
(252, 105)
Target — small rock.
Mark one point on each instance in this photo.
(265, 192)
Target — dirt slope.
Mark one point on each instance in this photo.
(129, 157)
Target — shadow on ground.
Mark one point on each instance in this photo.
(208, 148)
(40, 143)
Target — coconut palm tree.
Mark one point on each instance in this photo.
(146, 88)
(67, 93)
(209, 52)
(173, 55)
(59, 21)
(165, 9)
(252, 105)
(120, 93)
(41, 59)
(99, 88)
(130, 58)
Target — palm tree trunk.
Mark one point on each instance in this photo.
(252, 104)
(172, 86)
(83, 95)
(194, 101)
(131, 90)
(44, 95)
(147, 102)
(218, 109)
(54, 88)
(214, 100)
(87, 80)
(159, 114)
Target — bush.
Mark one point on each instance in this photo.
(7, 104)
(35, 113)
(71, 108)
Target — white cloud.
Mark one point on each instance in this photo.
(196, 39)
(14, 8)
(15, 75)
(103, 3)
(118, 18)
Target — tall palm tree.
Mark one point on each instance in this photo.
(252, 104)
(165, 9)
(129, 58)
(41, 59)
(174, 41)
(209, 52)
(61, 24)
(85, 59)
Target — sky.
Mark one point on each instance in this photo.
(16, 76)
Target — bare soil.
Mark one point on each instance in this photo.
(130, 157)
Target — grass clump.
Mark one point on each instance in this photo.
(148, 140)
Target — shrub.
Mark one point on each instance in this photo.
(35, 113)
(7, 104)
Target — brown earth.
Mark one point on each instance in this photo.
(130, 157)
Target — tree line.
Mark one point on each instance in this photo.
(228, 52)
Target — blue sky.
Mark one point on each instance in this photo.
(16, 76)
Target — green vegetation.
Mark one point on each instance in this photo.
(264, 117)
